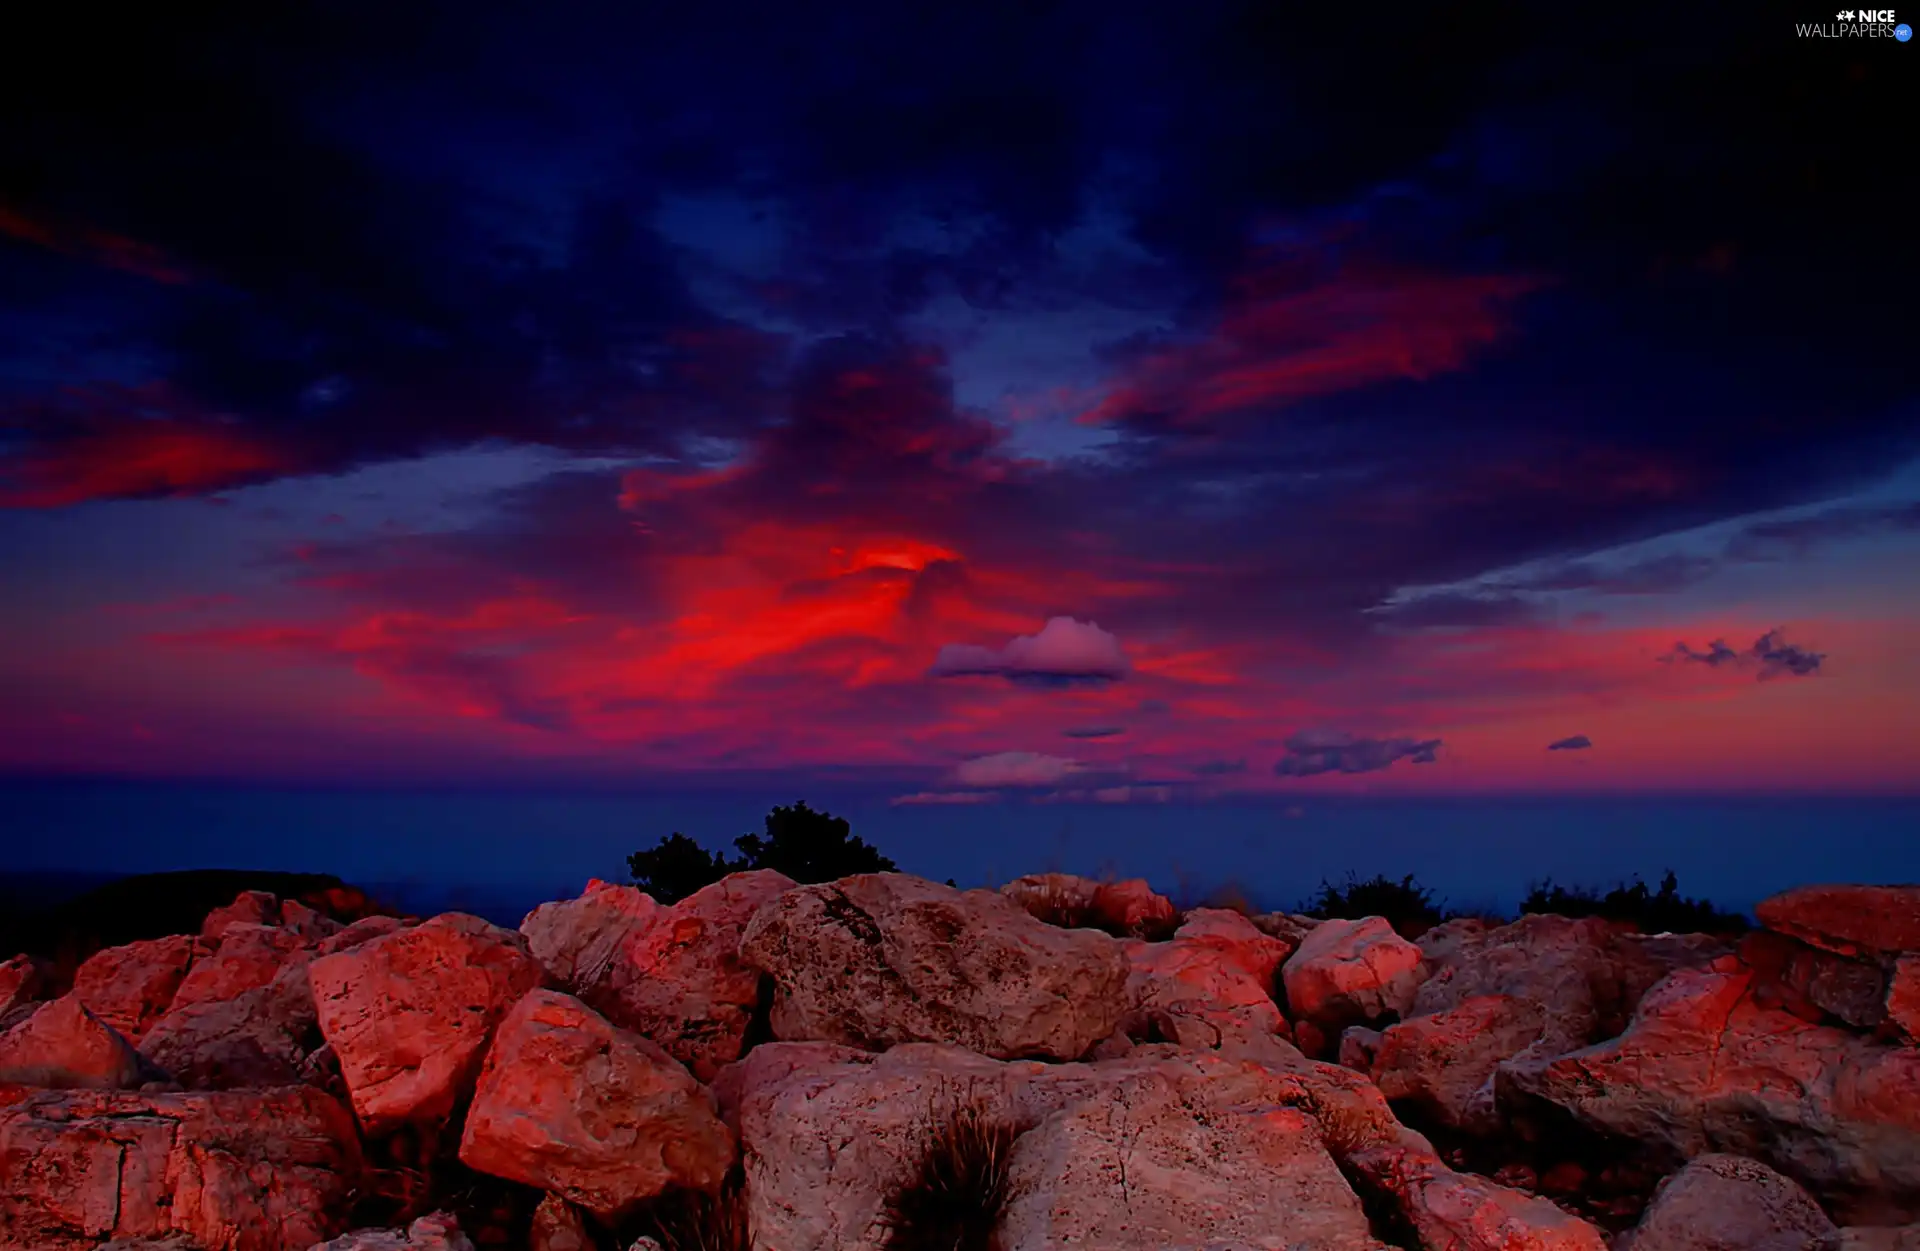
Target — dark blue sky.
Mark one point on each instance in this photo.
(993, 410)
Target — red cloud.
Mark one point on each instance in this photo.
(99, 246)
(1282, 340)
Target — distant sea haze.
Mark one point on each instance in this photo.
(500, 854)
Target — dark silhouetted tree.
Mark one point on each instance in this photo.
(677, 867)
(1406, 905)
(810, 846)
(1654, 911)
(805, 845)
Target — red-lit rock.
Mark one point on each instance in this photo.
(672, 974)
(1871, 921)
(242, 1171)
(1126, 908)
(131, 987)
(249, 956)
(408, 1015)
(65, 1046)
(884, 958)
(1903, 997)
(557, 1226)
(1462, 1212)
(1706, 1068)
(260, 1037)
(1812, 984)
(364, 930)
(249, 907)
(573, 1105)
(1349, 972)
(311, 925)
(1444, 1062)
(439, 1231)
(1210, 986)
(21, 982)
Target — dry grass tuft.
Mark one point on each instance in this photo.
(691, 1220)
(958, 1192)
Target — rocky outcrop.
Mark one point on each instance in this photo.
(602, 1117)
(1445, 1210)
(63, 1046)
(1903, 997)
(1705, 1068)
(240, 1171)
(884, 958)
(249, 956)
(1730, 1203)
(672, 974)
(1350, 973)
(409, 1015)
(1875, 922)
(131, 987)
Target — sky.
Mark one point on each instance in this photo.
(977, 408)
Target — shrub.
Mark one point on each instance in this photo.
(1653, 911)
(958, 1190)
(1406, 905)
(690, 1220)
(805, 845)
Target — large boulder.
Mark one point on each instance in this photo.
(254, 1171)
(249, 907)
(260, 1037)
(408, 1015)
(1873, 1238)
(249, 956)
(1876, 922)
(64, 1045)
(1814, 984)
(1352, 972)
(1210, 986)
(571, 1104)
(1730, 1203)
(1903, 997)
(1443, 1063)
(131, 987)
(439, 1231)
(1705, 1068)
(672, 974)
(884, 958)
(1155, 1163)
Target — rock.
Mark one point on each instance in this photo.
(253, 1171)
(578, 941)
(21, 982)
(1358, 1047)
(1143, 1168)
(437, 1232)
(1903, 997)
(1729, 1203)
(1210, 986)
(1444, 1062)
(260, 1037)
(1865, 921)
(770, 1065)
(249, 957)
(1281, 926)
(1449, 1211)
(409, 1014)
(676, 975)
(131, 987)
(1706, 1068)
(1444, 940)
(1127, 908)
(65, 1046)
(571, 1104)
(1814, 984)
(1350, 972)
(310, 925)
(363, 930)
(249, 907)
(884, 958)
(557, 1227)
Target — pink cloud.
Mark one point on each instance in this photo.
(1064, 652)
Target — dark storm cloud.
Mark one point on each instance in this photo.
(1770, 540)
(1771, 656)
(1312, 752)
(1578, 742)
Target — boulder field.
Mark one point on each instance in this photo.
(1059, 1064)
